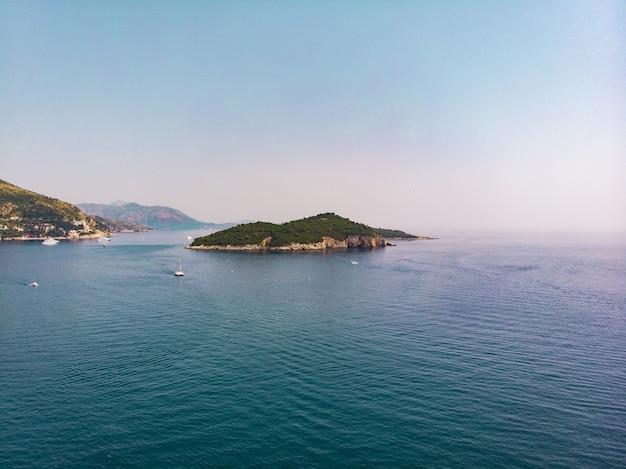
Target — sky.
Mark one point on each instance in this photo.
(427, 116)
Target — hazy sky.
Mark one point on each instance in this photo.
(420, 115)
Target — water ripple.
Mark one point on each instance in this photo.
(480, 353)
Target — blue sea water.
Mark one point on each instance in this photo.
(472, 350)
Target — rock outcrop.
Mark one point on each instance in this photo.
(366, 242)
(354, 241)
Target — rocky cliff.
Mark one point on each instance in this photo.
(364, 242)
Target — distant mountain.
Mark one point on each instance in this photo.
(120, 226)
(155, 217)
(26, 214)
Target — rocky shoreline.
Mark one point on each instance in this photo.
(364, 242)
(96, 235)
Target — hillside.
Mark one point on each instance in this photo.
(397, 234)
(120, 226)
(26, 214)
(154, 217)
(322, 231)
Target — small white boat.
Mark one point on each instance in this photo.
(354, 262)
(50, 242)
(34, 284)
(179, 272)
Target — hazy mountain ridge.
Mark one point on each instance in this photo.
(120, 226)
(153, 217)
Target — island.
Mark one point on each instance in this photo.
(320, 232)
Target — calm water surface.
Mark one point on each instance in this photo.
(468, 351)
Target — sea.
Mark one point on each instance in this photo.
(471, 350)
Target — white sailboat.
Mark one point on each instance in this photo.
(179, 272)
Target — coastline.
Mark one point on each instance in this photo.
(60, 238)
(256, 247)
(326, 243)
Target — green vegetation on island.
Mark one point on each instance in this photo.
(25, 214)
(397, 234)
(326, 230)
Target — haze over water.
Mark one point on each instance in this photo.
(471, 350)
(481, 115)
